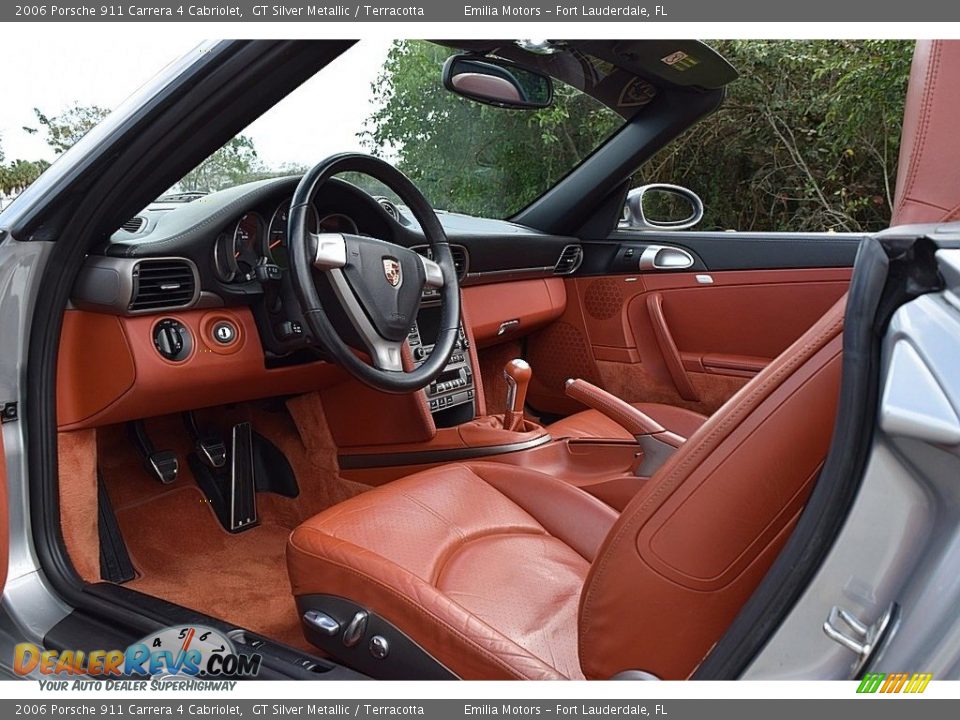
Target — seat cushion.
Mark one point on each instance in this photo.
(594, 424)
(480, 564)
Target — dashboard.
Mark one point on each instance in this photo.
(229, 249)
(191, 303)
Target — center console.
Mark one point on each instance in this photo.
(451, 396)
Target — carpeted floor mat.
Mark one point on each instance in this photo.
(180, 551)
(184, 556)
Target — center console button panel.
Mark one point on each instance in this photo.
(454, 387)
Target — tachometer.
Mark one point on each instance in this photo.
(275, 245)
(236, 254)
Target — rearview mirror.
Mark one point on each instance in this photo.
(498, 82)
(662, 207)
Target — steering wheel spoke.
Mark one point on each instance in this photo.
(331, 250)
(387, 355)
(433, 273)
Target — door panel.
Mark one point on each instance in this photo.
(689, 338)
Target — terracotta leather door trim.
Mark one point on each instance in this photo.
(668, 348)
(725, 332)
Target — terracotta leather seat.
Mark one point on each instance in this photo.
(594, 424)
(498, 572)
(928, 173)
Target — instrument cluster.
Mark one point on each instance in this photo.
(255, 241)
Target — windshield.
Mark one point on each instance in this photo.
(387, 99)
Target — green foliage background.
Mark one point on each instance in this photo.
(807, 139)
(235, 163)
(470, 157)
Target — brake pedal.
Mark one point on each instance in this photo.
(211, 449)
(161, 464)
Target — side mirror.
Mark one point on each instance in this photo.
(661, 207)
(498, 82)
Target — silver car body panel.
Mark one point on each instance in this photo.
(901, 541)
(30, 608)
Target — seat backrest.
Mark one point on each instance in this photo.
(691, 547)
(928, 172)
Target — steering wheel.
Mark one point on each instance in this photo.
(377, 284)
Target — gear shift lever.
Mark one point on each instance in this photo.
(517, 373)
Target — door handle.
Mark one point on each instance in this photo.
(665, 257)
(668, 349)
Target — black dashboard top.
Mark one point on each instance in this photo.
(190, 229)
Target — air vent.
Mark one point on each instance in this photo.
(134, 224)
(163, 285)
(461, 258)
(391, 209)
(569, 261)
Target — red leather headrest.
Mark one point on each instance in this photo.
(928, 174)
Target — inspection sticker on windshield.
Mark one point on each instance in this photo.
(679, 60)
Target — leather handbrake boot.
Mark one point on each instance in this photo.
(657, 443)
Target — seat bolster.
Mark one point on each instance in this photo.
(319, 563)
(569, 514)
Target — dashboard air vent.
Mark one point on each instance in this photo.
(134, 224)
(459, 260)
(391, 209)
(569, 261)
(163, 284)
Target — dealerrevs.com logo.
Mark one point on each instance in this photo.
(185, 652)
(889, 683)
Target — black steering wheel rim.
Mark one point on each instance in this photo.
(353, 277)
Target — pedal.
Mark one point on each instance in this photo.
(162, 464)
(211, 449)
(243, 491)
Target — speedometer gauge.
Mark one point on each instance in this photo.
(339, 223)
(275, 245)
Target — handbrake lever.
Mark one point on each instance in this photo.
(657, 443)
